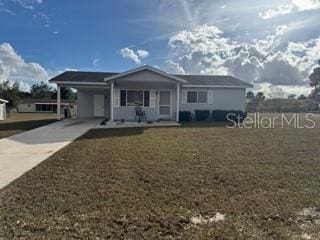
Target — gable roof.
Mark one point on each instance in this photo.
(102, 78)
(149, 68)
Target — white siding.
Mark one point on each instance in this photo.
(220, 98)
(26, 107)
(85, 102)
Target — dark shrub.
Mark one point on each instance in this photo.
(202, 115)
(185, 116)
(228, 115)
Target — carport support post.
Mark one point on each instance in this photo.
(111, 100)
(178, 102)
(58, 103)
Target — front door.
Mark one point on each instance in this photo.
(98, 102)
(165, 104)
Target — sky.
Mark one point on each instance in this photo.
(273, 44)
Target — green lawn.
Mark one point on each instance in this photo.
(150, 183)
(20, 122)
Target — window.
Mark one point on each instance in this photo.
(38, 108)
(197, 97)
(133, 98)
(146, 98)
(46, 108)
(202, 97)
(192, 97)
(123, 98)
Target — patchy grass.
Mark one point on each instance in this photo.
(152, 183)
(20, 122)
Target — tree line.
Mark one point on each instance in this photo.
(13, 93)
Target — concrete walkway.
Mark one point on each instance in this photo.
(21, 152)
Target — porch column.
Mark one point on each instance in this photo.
(58, 102)
(111, 100)
(178, 102)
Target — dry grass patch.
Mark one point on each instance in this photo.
(150, 183)
(20, 122)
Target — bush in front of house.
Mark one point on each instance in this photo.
(185, 116)
(202, 115)
(228, 115)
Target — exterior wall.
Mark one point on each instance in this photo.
(26, 108)
(223, 99)
(85, 107)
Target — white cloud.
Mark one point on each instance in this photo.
(142, 53)
(14, 68)
(206, 50)
(136, 56)
(292, 6)
(27, 4)
(174, 67)
(95, 61)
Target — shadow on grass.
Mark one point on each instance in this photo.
(25, 125)
(132, 131)
(116, 132)
(205, 124)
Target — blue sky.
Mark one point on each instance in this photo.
(273, 44)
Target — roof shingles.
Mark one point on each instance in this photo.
(98, 77)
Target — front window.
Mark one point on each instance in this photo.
(197, 97)
(202, 97)
(133, 98)
(192, 97)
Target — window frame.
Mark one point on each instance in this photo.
(197, 91)
(44, 107)
(143, 96)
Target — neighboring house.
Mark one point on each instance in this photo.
(3, 111)
(43, 105)
(161, 95)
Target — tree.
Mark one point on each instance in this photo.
(276, 92)
(315, 78)
(250, 95)
(11, 93)
(260, 96)
(41, 90)
(315, 83)
(302, 97)
(66, 93)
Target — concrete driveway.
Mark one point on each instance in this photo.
(21, 152)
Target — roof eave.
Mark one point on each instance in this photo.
(79, 83)
(217, 86)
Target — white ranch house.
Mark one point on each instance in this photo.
(116, 96)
